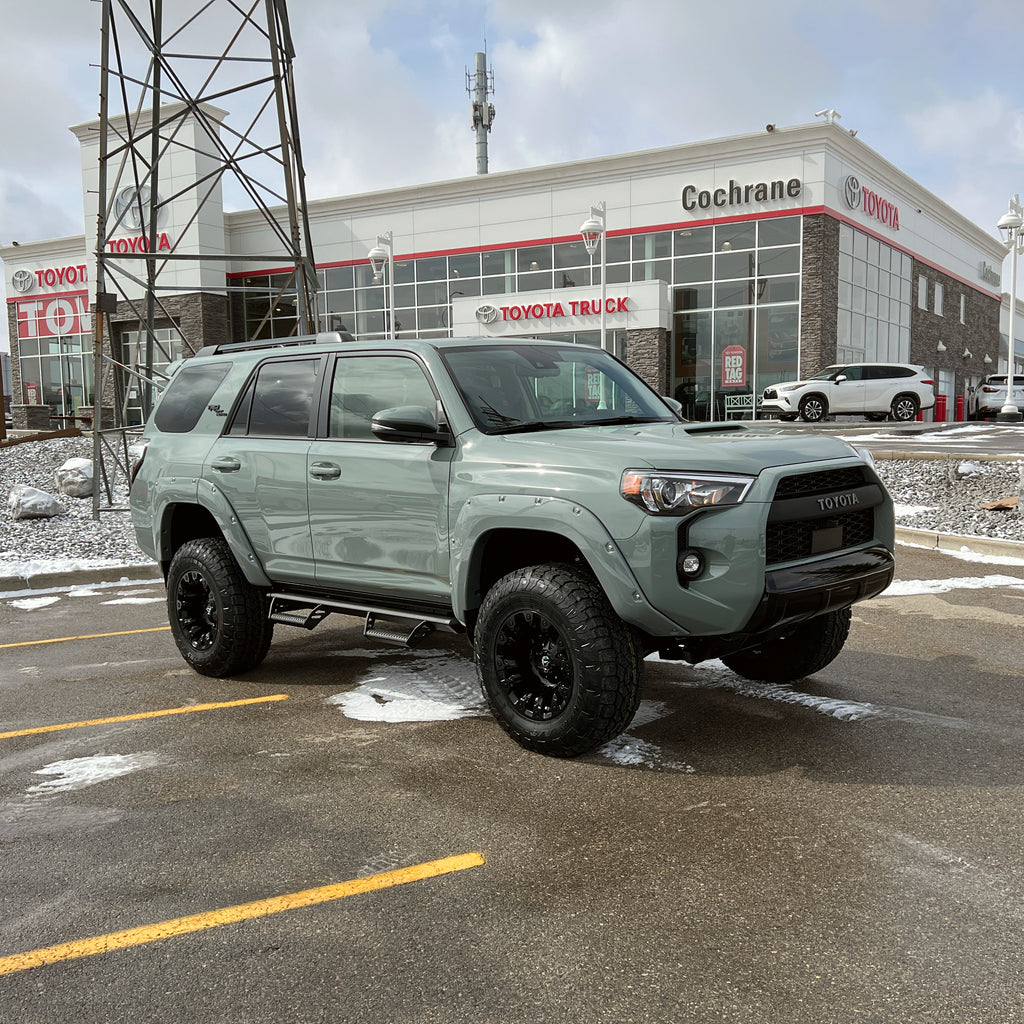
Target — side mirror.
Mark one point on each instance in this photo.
(409, 423)
(676, 407)
(841, 378)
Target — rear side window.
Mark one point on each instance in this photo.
(188, 395)
(278, 401)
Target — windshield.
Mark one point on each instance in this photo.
(827, 374)
(517, 388)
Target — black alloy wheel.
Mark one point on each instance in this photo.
(561, 671)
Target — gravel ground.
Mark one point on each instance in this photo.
(943, 495)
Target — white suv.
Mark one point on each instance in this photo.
(874, 390)
(990, 396)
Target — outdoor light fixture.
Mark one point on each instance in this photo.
(594, 231)
(987, 360)
(1011, 228)
(380, 256)
(967, 353)
(940, 347)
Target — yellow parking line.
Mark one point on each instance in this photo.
(229, 915)
(143, 714)
(88, 636)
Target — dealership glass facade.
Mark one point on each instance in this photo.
(736, 287)
(55, 359)
(875, 288)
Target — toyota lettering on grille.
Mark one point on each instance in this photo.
(836, 501)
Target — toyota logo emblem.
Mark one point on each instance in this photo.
(851, 187)
(22, 281)
(132, 207)
(486, 314)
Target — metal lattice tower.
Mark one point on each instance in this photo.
(164, 71)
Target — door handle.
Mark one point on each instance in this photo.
(325, 471)
(226, 464)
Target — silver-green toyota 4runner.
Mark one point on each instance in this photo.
(537, 496)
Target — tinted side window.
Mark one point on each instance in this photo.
(854, 373)
(282, 398)
(188, 395)
(364, 385)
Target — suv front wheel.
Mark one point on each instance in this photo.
(560, 670)
(813, 408)
(218, 618)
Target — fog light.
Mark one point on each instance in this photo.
(690, 564)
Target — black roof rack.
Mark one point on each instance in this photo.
(323, 338)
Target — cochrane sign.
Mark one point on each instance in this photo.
(696, 198)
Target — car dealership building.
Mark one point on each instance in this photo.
(729, 265)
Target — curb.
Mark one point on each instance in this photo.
(82, 577)
(955, 542)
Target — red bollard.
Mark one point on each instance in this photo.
(959, 408)
(940, 408)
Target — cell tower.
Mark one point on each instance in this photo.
(479, 83)
(167, 166)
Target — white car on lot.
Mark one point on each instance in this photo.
(990, 396)
(874, 390)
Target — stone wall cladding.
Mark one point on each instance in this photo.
(819, 293)
(979, 335)
(648, 356)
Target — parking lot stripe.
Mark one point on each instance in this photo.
(230, 915)
(88, 636)
(143, 714)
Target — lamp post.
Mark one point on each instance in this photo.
(594, 232)
(1011, 228)
(384, 253)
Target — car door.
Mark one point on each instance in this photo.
(880, 387)
(259, 465)
(847, 396)
(378, 510)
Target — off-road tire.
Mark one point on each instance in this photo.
(218, 618)
(813, 408)
(561, 672)
(904, 408)
(799, 651)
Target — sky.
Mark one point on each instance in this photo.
(935, 87)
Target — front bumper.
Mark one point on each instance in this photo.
(805, 591)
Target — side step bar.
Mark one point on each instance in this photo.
(405, 628)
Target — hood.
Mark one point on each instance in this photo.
(692, 447)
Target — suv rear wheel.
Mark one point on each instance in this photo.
(560, 670)
(904, 408)
(801, 651)
(813, 408)
(218, 618)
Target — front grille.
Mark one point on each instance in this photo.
(788, 541)
(823, 482)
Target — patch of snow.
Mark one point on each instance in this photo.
(905, 588)
(80, 772)
(31, 603)
(432, 687)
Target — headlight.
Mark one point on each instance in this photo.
(864, 454)
(679, 492)
(788, 387)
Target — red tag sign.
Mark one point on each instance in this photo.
(734, 367)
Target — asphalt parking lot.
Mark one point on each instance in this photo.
(343, 834)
